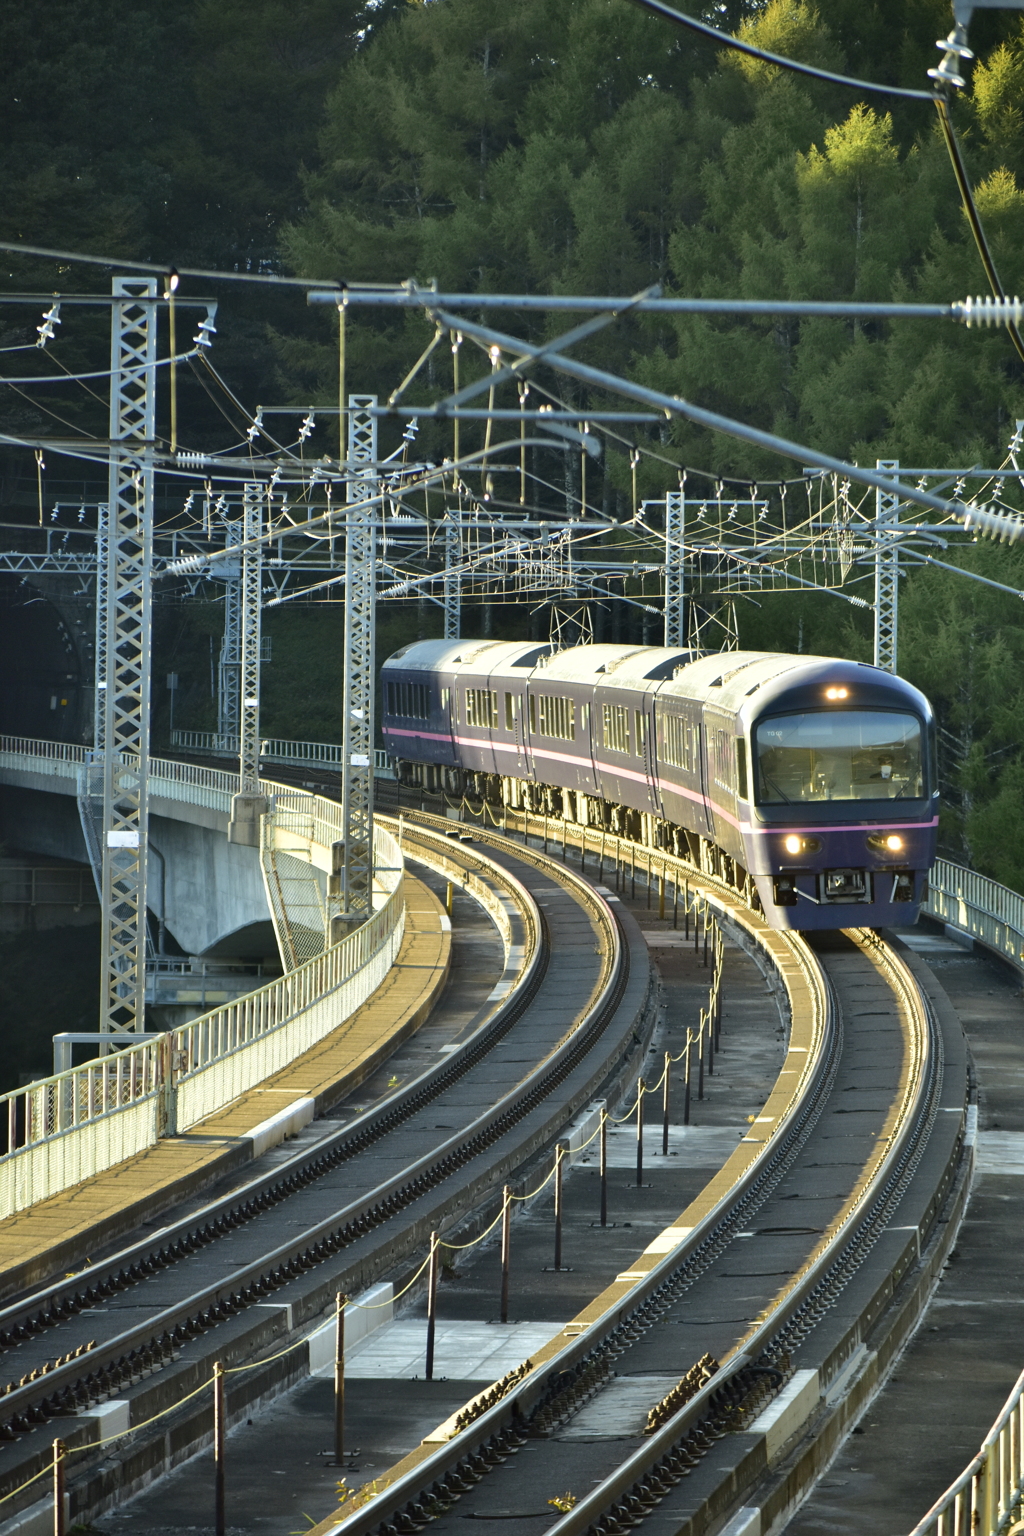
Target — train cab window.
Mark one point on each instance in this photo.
(482, 708)
(615, 727)
(853, 754)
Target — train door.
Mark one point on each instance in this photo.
(512, 720)
(720, 770)
(643, 730)
(700, 754)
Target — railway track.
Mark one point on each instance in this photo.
(864, 1075)
(146, 1323)
(742, 1327)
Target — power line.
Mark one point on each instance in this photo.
(658, 8)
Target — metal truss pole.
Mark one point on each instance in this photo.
(99, 731)
(887, 570)
(354, 859)
(249, 804)
(231, 647)
(675, 528)
(252, 572)
(126, 638)
(452, 577)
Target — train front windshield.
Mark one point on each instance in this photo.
(853, 754)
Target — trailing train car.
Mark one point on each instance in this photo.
(808, 783)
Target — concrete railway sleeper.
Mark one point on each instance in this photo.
(599, 1037)
(822, 1302)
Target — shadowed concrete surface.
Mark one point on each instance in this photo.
(956, 1373)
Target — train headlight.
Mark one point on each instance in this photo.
(837, 693)
(794, 844)
(887, 843)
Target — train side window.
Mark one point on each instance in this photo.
(481, 708)
(510, 712)
(640, 731)
(741, 769)
(677, 743)
(724, 768)
(533, 714)
(556, 716)
(445, 696)
(409, 700)
(615, 727)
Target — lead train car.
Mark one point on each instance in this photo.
(810, 779)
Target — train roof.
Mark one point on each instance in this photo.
(740, 681)
(753, 681)
(622, 665)
(447, 655)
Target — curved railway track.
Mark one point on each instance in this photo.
(362, 1196)
(749, 1315)
(863, 1076)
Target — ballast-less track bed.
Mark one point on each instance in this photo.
(799, 1270)
(258, 1266)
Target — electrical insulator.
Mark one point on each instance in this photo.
(1007, 527)
(987, 311)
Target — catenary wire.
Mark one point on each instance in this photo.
(659, 8)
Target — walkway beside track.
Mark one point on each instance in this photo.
(67, 1229)
(917, 1435)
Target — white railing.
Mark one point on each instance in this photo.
(986, 1497)
(62, 1129)
(981, 907)
(276, 749)
(65, 1128)
(223, 1053)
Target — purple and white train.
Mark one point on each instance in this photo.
(809, 780)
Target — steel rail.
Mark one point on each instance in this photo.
(814, 1290)
(505, 1425)
(50, 1304)
(572, 1371)
(104, 1371)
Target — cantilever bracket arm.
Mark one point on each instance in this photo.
(985, 521)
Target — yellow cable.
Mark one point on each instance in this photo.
(34, 1479)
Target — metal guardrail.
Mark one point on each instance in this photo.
(986, 1497)
(988, 911)
(276, 749)
(64, 1128)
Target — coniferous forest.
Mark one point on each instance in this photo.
(563, 146)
